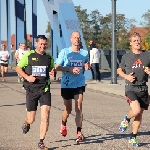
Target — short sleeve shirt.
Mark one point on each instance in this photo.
(68, 58)
(136, 63)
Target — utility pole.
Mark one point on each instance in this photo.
(113, 50)
(25, 24)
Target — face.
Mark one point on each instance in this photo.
(41, 45)
(75, 39)
(3, 47)
(23, 46)
(91, 42)
(135, 43)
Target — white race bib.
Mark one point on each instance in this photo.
(39, 71)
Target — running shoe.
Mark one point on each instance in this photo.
(41, 145)
(124, 124)
(63, 130)
(25, 128)
(79, 137)
(133, 141)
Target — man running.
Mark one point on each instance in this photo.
(18, 55)
(71, 62)
(35, 67)
(4, 57)
(134, 68)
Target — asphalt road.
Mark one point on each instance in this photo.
(102, 115)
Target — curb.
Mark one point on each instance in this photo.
(111, 89)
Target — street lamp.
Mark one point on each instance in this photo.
(113, 50)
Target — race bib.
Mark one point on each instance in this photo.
(76, 63)
(39, 71)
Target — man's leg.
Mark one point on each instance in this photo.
(45, 113)
(94, 71)
(5, 69)
(67, 109)
(31, 107)
(137, 121)
(45, 104)
(79, 116)
(98, 72)
(30, 118)
(2, 72)
(67, 95)
(65, 115)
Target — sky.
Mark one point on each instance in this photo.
(133, 9)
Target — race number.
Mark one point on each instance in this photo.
(39, 71)
(76, 63)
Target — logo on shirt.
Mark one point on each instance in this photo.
(39, 71)
(137, 64)
(76, 63)
(35, 59)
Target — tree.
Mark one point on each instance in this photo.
(146, 17)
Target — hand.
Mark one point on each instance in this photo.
(87, 66)
(7, 57)
(30, 78)
(130, 77)
(51, 73)
(75, 70)
(147, 70)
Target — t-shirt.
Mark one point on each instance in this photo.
(136, 63)
(3, 55)
(37, 65)
(68, 58)
(20, 53)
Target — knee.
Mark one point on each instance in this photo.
(137, 112)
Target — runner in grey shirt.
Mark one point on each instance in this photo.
(134, 68)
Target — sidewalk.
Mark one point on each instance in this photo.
(104, 86)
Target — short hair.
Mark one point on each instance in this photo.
(3, 45)
(76, 32)
(41, 37)
(134, 34)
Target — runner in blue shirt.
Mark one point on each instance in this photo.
(72, 62)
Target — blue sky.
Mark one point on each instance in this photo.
(131, 8)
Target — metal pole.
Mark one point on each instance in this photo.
(113, 51)
(25, 24)
(34, 22)
(8, 29)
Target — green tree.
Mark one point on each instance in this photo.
(146, 17)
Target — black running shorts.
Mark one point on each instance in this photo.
(69, 93)
(5, 65)
(32, 99)
(142, 98)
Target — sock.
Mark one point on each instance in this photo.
(79, 129)
(127, 119)
(41, 140)
(133, 135)
(64, 123)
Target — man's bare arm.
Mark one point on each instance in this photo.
(63, 69)
(121, 73)
(21, 72)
